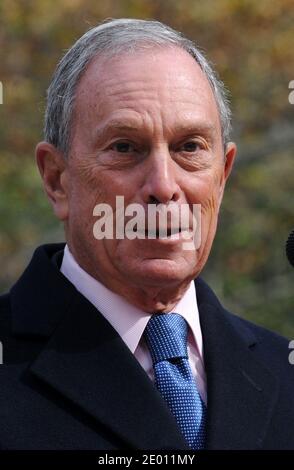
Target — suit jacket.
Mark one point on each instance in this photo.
(68, 381)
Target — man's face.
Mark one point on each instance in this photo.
(145, 127)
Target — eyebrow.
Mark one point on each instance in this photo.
(115, 126)
(196, 126)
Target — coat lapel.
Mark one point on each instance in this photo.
(241, 391)
(87, 362)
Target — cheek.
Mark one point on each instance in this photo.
(206, 193)
(87, 176)
(102, 184)
(82, 200)
(90, 186)
(210, 205)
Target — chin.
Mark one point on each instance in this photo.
(160, 272)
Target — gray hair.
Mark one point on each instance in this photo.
(113, 37)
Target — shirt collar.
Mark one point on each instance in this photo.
(128, 320)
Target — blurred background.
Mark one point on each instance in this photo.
(252, 46)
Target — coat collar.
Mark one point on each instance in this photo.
(86, 361)
(241, 390)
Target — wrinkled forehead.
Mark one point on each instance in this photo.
(167, 81)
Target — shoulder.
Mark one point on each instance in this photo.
(271, 348)
(268, 347)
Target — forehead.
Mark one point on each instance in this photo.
(166, 82)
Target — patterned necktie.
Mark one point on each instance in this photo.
(166, 337)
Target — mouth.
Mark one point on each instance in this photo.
(169, 232)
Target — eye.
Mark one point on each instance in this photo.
(190, 146)
(123, 147)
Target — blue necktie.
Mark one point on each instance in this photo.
(166, 337)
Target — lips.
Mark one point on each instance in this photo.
(169, 232)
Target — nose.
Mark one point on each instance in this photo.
(160, 185)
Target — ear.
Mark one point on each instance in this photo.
(230, 154)
(53, 170)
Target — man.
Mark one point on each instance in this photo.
(135, 110)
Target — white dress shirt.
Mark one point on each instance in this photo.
(130, 322)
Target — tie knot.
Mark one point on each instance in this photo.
(166, 337)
